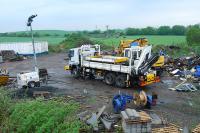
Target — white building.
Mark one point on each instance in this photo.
(25, 48)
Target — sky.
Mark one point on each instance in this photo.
(74, 15)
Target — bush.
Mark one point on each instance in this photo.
(193, 35)
(44, 117)
(5, 103)
(56, 48)
(75, 40)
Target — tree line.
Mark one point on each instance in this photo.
(26, 34)
(162, 30)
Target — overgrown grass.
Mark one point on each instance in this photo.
(5, 104)
(38, 116)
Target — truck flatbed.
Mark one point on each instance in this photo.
(106, 66)
(107, 59)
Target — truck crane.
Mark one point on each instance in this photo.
(134, 67)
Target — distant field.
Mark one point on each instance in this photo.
(50, 40)
(154, 40)
(44, 32)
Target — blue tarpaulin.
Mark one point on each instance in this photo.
(197, 72)
(134, 44)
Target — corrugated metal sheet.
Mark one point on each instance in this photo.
(25, 48)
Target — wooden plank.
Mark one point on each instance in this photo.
(197, 129)
(169, 129)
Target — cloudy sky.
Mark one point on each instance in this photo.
(92, 14)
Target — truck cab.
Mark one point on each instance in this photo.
(74, 56)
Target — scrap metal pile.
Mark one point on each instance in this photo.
(186, 69)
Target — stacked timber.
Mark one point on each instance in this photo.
(136, 122)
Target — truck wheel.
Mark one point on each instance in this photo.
(121, 81)
(37, 84)
(110, 78)
(75, 72)
(31, 84)
(159, 72)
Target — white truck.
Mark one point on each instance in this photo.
(133, 68)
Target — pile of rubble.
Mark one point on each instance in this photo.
(186, 69)
(10, 55)
(128, 121)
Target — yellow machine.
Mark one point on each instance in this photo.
(4, 77)
(127, 44)
(141, 42)
(160, 62)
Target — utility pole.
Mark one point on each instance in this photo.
(29, 23)
(107, 26)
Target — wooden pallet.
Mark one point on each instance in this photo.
(169, 129)
(197, 129)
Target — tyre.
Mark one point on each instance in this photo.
(37, 84)
(75, 72)
(159, 72)
(31, 84)
(121, 81)
(109, 78)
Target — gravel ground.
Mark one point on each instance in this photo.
(176, 107)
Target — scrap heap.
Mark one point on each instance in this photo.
(10, 55)
(186, 69)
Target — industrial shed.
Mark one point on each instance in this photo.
(25, 48)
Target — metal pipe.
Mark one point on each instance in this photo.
(34, 53)
(29, 23)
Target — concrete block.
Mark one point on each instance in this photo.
(132, 114)
(124, 115)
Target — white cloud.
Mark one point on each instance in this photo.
(86, 14)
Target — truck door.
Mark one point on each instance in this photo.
(73, 56)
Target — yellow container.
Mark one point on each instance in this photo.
(4, 79)
(150, 77)
(67, 68)
(160, 62)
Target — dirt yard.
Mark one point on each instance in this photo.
(182, 108)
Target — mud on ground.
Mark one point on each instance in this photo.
(182, 108)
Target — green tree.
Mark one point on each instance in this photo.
(75, 40)
(47, 34)
(132, 31)
(164, 30)
(178, 30)
(148, 31)
(193, 35)
(36, 34)
(95, 32)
